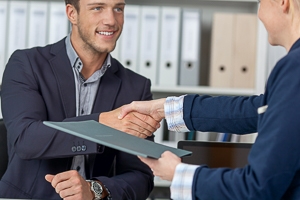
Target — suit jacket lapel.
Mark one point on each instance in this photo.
(105, 99)
(63, 72)
(108, 90)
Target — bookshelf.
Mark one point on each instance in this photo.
(208, 8)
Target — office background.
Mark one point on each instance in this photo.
(204, 46)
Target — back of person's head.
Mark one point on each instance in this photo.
(74, 3)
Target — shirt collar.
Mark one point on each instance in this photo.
(75, 60)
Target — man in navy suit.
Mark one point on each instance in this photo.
(74, 79)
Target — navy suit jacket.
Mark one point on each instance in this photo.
(38, 85)
(273, 171)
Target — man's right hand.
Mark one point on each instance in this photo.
(133, 123)
(153, 108)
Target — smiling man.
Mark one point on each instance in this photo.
(74, 79)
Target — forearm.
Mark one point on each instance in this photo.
(221, 114)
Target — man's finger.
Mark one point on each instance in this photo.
(152, 124)
(125, 110)
(49, 177)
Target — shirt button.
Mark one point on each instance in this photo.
(79, 63)
(85, 85)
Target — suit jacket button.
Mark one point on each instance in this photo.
(74, 149)
(83, 148)
(78, 148)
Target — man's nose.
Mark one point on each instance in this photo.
(109, 18)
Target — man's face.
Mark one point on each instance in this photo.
(99, 24)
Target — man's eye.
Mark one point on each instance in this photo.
(97, 8)
(119, 9)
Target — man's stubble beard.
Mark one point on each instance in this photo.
(90, 45)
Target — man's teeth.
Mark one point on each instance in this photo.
(105, 33)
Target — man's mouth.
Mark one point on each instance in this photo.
(106, 33)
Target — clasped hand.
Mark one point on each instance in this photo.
(166, 165)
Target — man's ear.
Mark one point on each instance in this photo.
(285, 5)
(71, 13)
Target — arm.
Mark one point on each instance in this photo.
(28, 99)
(273, 161)
(31, 95)
(204, 113)
(222, 114)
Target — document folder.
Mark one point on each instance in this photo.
(129, 39)
(17, 26)
(169, 46)
(101, 134)
(38, 18)
(149, 39)
(3, 33)
(191, 43)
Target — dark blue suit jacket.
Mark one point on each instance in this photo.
(38, 85)
(274, 161)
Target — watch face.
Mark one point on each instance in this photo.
(97, 188)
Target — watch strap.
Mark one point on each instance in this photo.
(96, 188)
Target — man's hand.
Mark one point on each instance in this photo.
(154, 108)
(133, 123)
(70, 185)
(165, 166)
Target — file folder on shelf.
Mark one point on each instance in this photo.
(221, 63)
(17, 36)
(169, 46)
(129, 40)
(190, 51)
(148, 59)
(116, 52)
(233, 56)
(58, 22)
(159, 133)
(244, 60)
(3, 33)
(275, 53)
(38, 20)
(101, 134)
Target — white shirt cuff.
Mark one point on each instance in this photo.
(174, 114)
(181, 186)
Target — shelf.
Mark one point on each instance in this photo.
(203, 90)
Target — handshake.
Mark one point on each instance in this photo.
(139, 118)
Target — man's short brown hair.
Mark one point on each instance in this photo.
(74, 3)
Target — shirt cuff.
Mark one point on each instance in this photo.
(174, 114)
(181, 186)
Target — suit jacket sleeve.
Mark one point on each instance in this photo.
(24, 109)
(221, 114)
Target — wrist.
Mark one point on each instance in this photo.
(105, 193)
(159, 109)
(97, 189)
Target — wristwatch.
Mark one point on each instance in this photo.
(96, 188)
